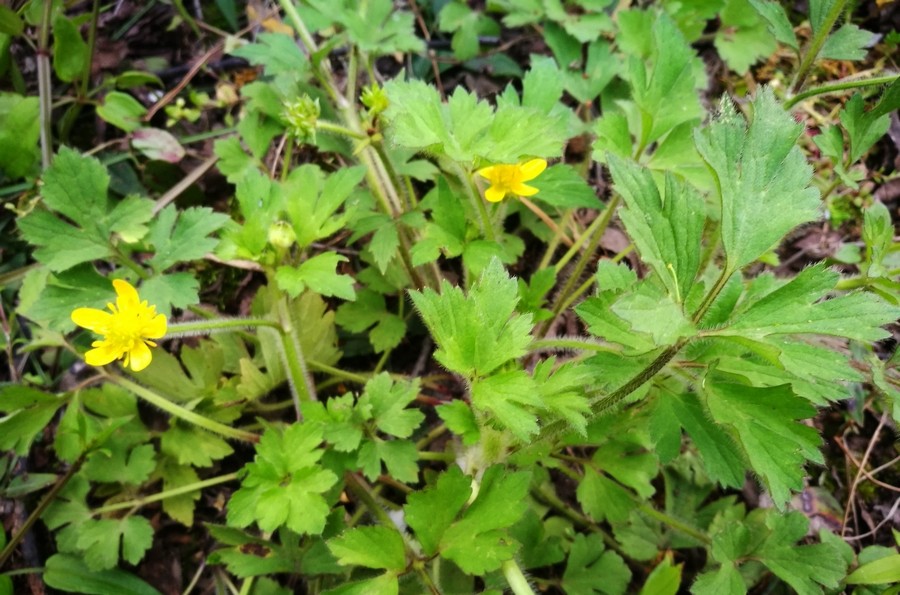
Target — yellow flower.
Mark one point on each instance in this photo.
(126, 331)
(508, 179)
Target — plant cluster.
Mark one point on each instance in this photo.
(438, 341)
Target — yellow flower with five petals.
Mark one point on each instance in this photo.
(509, 179)
(126, 329)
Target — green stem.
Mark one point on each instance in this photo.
(217, 325)
(839, 86)
(710, 297)
(41, 507)
(358, 378)
(91, 43)
(596, 234)
(185, 489)
(45, 87)
(515, 578)
(674, 523)
(338, 129)
(362, 491)
(815, 46)
(182, 413)
(570, 343)
(487, 226)
(302, 387)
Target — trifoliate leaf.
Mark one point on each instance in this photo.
(284, 483)
(430, 512)
(765, 420)
(376, 27)
(593, 569)
(465, 128)
(75, 186)
(400, 457)
(763, 176)
(666, 229)
(371, 547)
(647, 311)
(478, 332)
(602, 498)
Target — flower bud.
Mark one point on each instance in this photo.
(301, 116)
(281, 235)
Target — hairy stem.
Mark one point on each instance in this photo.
(839, 86)
(182, 413)
(815, 46)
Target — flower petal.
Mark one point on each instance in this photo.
(494, 194)
(92, 319)
(156, 328)
(487, 172)
(525, 190)
(532, 169)
(140, 356)
(126, 295)
(103, 354)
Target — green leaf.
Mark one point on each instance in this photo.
(371, 547)
(718, 452)
(658, 315)
(99, 539)
(666, 229)
(794, 308)
(602, 498)
(665, 578)
(803, 567)
(763, 176)
(593, 569)
(777, 20)
(284, 483)
(312, 200)
(19, 135)
(182, 236)
(863, 128)
(599, 69)
(280, 55)
(460, 420)
(376, 27)
(122, 111)
(562, 391)
(480, 332)
(884, 571)
(430, 512)
(10, 22)
(665, 92)
(70, 574)
(542, 85)
(386, 584)
(726, 579)
(319, 274)
(743, 37)
(478, 542)
(465, 128)
(563, 187)
(849, 42)
(28, 412)
(175, 476)
(878, 235)
(764, 421)
(387, 401)
(192, 446)
(507, 396)
(173, 290)
(70, 52)
(400, 458)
